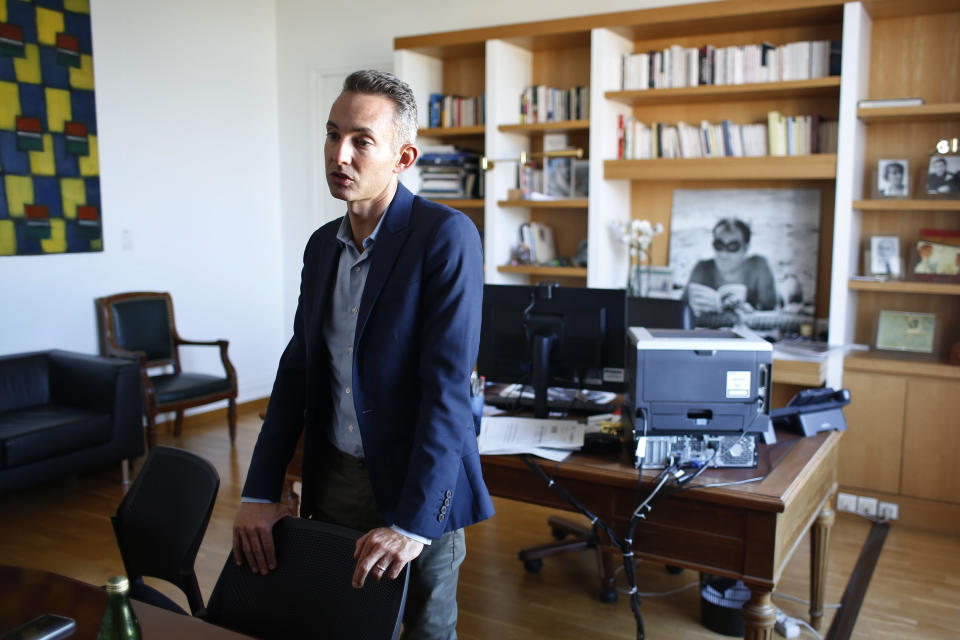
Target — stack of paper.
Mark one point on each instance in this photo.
(550, 439)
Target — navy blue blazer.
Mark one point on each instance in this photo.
(418, 333)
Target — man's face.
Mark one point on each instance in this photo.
(940, 167)
(359, 150)
(729, 249)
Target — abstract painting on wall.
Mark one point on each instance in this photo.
(49, 169)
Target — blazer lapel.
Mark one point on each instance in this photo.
(328, 258)
(393, 233)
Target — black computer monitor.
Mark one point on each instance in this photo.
(552, 336)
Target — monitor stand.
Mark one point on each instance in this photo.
(542, 346)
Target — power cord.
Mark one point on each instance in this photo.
(790, 627)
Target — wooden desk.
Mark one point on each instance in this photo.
(746, 531)
(28, 593)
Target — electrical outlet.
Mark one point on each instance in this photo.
(867, 506)
(888, 510)
(847, 502)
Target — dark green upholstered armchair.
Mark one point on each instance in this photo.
(140, 325)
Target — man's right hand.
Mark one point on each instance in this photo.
(253, 534)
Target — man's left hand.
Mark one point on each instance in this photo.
(383, 552)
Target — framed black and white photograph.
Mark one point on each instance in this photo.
(581, 178)
(747, 256)
(893, 178)
(885, 256)
(905, 331)
(943, 176)
(558, 177)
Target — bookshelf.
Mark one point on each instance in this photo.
(890, 49)
(900, 444)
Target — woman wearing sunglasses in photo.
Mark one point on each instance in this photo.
(731, 281)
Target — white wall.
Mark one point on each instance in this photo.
(187, 115)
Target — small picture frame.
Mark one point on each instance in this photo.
(893, 178)
(936, 259)
(885, 257)
(943, 176)
(558, 177)
(905, 331)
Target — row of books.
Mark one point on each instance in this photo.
(779, 136)
(449, 172)
(541, 103)
(678, 66)
(456, 111)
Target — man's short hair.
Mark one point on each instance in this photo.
(733, 224)
(381, 83)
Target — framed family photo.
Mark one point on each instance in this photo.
(893, 178)
(884, 256)
(905, 331)
(943, 176)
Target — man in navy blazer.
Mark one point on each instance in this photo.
(377, 373)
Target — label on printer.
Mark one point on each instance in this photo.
(738, 384)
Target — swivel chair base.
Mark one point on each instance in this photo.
(583, 537)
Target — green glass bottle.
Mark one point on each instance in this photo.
(119, 620)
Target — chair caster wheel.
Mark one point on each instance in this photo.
(673, 570)
(533, 566)
(558, 534)
(608, 595)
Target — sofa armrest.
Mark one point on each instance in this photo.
(88, 381)
(110, 385)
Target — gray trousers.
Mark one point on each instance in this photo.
(344, 496)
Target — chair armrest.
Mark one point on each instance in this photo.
(223, 344)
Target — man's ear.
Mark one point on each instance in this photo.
(407, 158)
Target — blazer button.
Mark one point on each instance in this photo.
(440, 517)
(448, 494)
(443, 509)
(446, 502)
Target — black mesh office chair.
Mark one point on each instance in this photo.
(652, 313)
(161, 521)
(309, 594)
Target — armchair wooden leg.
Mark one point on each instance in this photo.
(232, 418)
(125, 472)
(178, 424)
(151, 430)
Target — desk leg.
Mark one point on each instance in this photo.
(759, 615)
(819, 556)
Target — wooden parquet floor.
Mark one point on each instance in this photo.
(915, 591)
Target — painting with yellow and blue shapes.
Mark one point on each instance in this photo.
(49, 169)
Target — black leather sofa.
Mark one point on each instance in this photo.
(62, 413)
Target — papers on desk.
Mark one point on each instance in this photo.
(550, 439)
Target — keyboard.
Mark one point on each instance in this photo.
(559, 400)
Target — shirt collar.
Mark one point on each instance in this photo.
(345, 233)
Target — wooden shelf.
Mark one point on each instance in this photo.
(922, 113)
(904, 365)
(535, 270)
(907, 286)
(818, 166)
(805, 373)
(440, 132)
(570, 203)
(546, 127)
(907, 205)
(460, 203)
(729, 92)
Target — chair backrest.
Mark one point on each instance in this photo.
(138, 321)
(161, 521)
(659, 313)
(309, 593)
